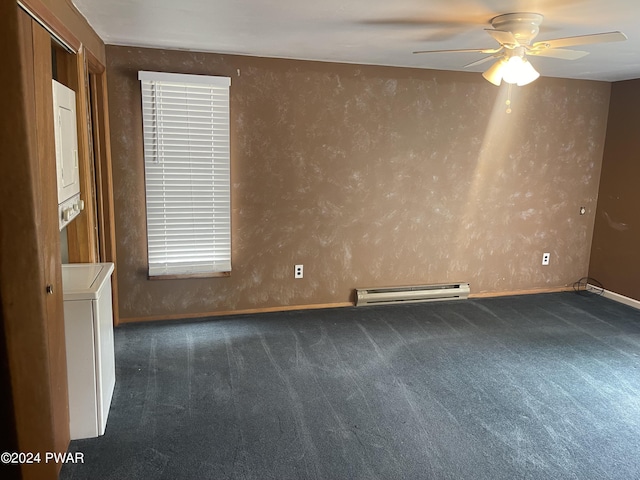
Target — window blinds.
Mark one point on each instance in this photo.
(187, 166)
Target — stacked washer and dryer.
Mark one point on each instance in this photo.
(88, 315)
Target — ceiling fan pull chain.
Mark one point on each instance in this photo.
(508, 102)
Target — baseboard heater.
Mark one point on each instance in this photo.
(411, 294)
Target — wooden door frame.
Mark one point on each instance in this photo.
(33, 371)
(103, 170)
(91, 236)
(81, 233)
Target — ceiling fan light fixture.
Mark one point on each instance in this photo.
(515, 70)
(515, 33)
(527, 74)
(518, 70)
(495, 72)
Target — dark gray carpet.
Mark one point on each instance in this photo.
(530, 387)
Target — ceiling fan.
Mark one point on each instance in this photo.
(515, 33)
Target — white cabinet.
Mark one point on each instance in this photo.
(88, 323)
(66, 138)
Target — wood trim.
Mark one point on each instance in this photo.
(532, 291)
(98, 146)
(191, 316)
(81, 233)
(187, 276)
(91, 237)
(195, 316)
(616, 297)
(104, 176)
(95, 65)
(43, 15)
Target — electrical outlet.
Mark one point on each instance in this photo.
(545, 258)
(298, 271)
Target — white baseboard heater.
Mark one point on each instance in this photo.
(411, 294)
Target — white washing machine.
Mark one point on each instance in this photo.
(88, 323)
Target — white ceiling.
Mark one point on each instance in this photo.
(379, 32)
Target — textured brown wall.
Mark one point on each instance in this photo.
(371, 176)
(615, 253)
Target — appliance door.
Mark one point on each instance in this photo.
(105, 358)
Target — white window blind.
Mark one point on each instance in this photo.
(187, 166)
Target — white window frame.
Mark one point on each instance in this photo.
(187, 174)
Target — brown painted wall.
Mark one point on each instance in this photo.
(371, 176)
(615, 255)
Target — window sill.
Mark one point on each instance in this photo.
(190, 275)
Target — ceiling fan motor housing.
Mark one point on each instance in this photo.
(524, 26)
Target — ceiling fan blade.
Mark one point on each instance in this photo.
(463, 50)
(502, 37)
(478, 62)
(581, 40)
(558, 53)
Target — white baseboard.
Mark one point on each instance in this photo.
(614, 296)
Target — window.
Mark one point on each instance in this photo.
(187, 166)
